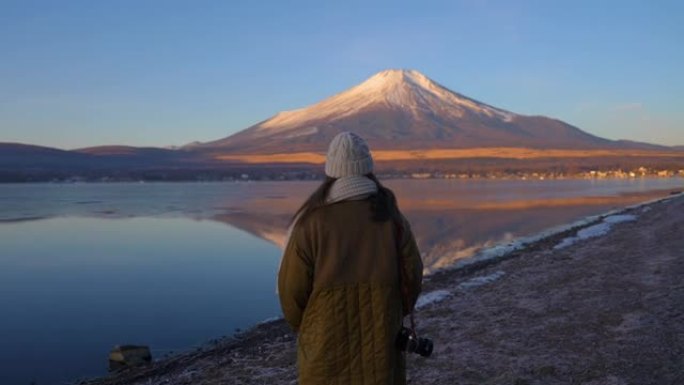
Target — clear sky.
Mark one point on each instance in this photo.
(159, 73)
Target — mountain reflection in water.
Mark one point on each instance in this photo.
(455, 219)
(451, 219)
(86, 266)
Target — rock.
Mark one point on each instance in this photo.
(127, 356)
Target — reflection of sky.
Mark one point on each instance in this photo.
(75, 287)
(156, 264)
(206, 200)
(512, 190)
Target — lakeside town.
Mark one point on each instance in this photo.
(641, 172)
(302, 175)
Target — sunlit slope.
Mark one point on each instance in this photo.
(406, 110)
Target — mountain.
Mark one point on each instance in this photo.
(25, 163)
(18, 155)
(413, 124)
(404, 109)
(132, 156)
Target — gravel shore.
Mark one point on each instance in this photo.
(607, 308)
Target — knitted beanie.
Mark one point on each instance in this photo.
(348, 155)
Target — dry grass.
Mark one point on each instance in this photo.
(464, 153)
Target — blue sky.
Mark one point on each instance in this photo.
(158, 73)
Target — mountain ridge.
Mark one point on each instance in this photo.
(412, 123)
(404, 109)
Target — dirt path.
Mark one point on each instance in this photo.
(606, 310)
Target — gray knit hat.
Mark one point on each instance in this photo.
(348, 155)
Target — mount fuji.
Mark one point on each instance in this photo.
(412, 123)
(402, 110)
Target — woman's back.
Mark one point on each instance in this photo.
(339, 281)
(350, 247)
(353, 313)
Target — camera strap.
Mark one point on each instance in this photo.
(403, 279)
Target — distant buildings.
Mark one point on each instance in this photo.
(640, 172)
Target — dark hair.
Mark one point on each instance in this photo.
(315, 200)
(383, 203)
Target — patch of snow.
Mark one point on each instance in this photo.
(440, 295)
(267, 320)
(432, 297)
(597, 230)
(565, 243)
(646, 209)
(303, 132)
(481, 280)
(620, 218)
(407, 89)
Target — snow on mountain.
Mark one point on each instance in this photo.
(404, 109)
(404, 89)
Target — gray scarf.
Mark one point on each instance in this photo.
(355, 187)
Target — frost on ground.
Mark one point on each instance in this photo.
(608, 310)
(597, 230)
(440, 295)
(481, 280)
(432, 297)
(620, 218)
(269, 320)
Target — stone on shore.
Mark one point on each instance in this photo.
(128, 356)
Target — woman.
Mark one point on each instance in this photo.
(339, 281)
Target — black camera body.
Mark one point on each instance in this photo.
(408, 341)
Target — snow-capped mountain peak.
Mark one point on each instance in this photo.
(403, 109)
(412, 89)
(400, 89)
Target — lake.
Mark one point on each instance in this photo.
(84, 267)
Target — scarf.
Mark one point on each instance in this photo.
(355, 187)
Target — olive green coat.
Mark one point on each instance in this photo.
(339, 290)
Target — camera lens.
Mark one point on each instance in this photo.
(424, 347)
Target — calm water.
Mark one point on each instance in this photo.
(84, 267)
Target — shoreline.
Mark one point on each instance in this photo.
(266, 350)
(494, 254)
(286, 204)
(532, 177)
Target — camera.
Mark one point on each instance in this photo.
(408, 341)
